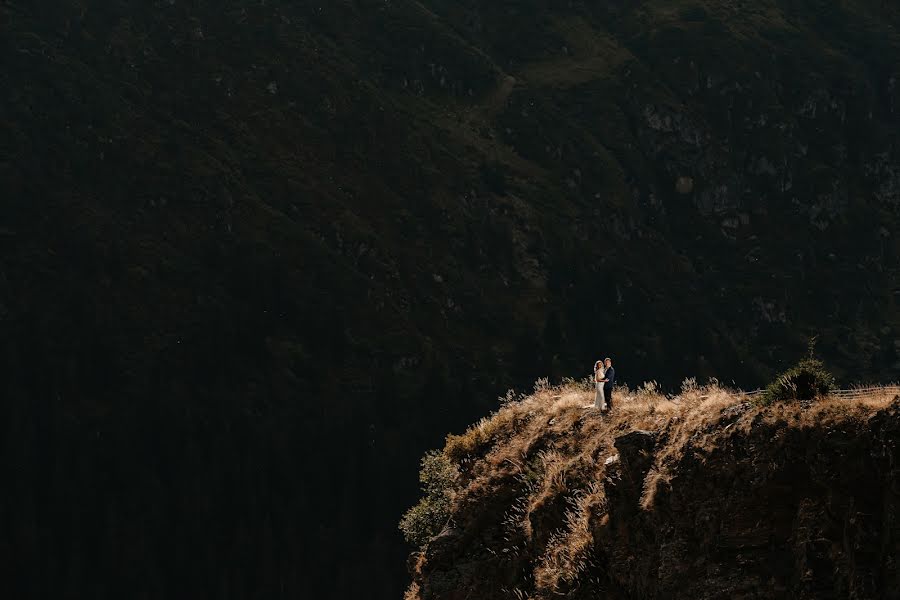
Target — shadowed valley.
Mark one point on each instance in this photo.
(257, 257)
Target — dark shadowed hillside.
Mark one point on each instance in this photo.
(256, 256)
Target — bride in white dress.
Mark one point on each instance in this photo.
(600, 397)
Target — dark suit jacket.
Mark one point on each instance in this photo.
(610, 377)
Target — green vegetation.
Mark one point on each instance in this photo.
(807, 380)
(426, 519)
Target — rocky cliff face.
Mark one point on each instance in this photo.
(713, 498)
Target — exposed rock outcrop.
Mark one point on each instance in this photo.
(705, 497)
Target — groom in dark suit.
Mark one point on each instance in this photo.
(609, 380)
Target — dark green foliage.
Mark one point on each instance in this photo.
(426, 519)
(807, 380)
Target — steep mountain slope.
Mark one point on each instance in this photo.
(257, 256)
(703, 495)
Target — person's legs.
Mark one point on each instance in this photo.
(608, 394)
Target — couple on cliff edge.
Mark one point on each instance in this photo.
(604, 380)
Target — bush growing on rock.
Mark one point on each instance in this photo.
(426, 519)
(807, 380)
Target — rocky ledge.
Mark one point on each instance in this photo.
(704, 495)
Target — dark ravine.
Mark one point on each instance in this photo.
(257, 256)
(746, 502)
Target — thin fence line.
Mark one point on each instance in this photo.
(839, 393)
(846, 393)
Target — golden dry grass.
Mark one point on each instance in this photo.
(555, 445)
(413, 592)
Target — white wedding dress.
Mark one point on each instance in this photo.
(600, 397)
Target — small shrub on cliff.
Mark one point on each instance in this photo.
(426, 519)
(807, 380)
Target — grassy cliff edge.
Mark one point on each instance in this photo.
(703, 495)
